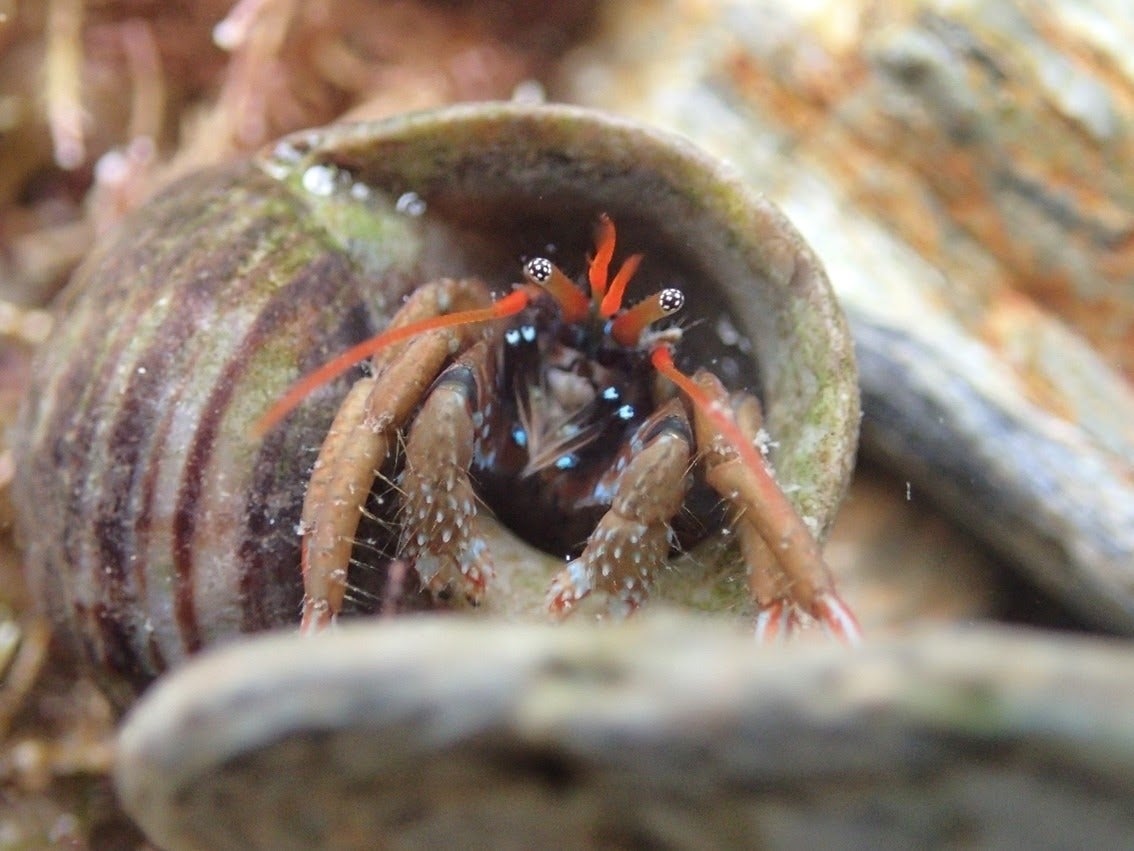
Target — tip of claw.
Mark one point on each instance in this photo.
(476, 579)
(774, 623)
(780, 619)
(837, 619)
(561, 602)
(568, 587)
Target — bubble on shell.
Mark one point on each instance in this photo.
(410, 204)
(529, 92)
(281, 163)
(320, 179)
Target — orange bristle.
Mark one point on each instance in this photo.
(600, 263)
(612, 301)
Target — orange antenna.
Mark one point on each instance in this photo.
(600, 263)
(573, 305)
(628, 327)
(662, 359)
(612, 301)
(510, 305)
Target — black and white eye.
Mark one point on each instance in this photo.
(538, 270)
(671, 300)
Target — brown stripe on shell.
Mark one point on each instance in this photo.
(143, 413)
(254, 248)
(222, 277)
(119, 646)
(287, 313)
(127, 480)
(87, 577)
(270, 580)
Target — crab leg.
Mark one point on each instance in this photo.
(631, 540)
(359, 441)
(767, 583)
(763, 508)
(440, 533)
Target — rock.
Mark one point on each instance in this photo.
(667, 731)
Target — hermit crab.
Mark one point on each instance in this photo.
(164, 459)
(557, 411)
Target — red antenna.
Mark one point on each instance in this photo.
(510, 305)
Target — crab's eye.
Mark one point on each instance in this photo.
(538, 270)
(671, 300)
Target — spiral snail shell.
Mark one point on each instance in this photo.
(154, 525)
